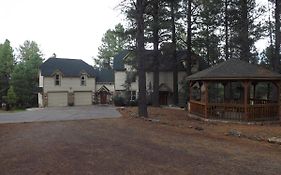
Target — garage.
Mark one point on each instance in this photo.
(57, 99)
(82, 98)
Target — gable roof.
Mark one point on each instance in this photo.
(103, 89)
(235, 69)
(68, 67)
(104, 75)
(164, 64)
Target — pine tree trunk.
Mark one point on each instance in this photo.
(277, 36)
(244, 34)
(208, 46)
(156, 53)
(188, 42)
(226, 47)
(174, 54)
(140, 52)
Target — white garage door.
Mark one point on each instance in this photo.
(57, 99)
(82, 98)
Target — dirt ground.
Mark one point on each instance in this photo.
(134, 146)
(179, 118)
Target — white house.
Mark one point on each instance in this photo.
(124, 70)
(66, 82)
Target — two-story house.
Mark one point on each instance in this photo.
(67, 82)
(125, 71)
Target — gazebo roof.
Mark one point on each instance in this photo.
(235, 69)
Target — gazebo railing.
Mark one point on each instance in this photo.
(234, 111)
(197, 108)
(226, 111)
(261, 101)
(262, 112)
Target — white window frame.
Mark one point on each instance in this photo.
(83, 79)
(57, 80)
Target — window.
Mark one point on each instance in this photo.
(57, 80)
(83, 80)
(133, 95)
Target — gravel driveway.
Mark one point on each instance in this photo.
(129, 147)
(60, 114)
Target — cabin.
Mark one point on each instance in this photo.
(235, 90)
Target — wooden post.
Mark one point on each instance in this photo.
(246, 99)
(190, 94)
(206, 98)
(278, 86)
(268, 91)
(224, 91)
(254, 89)
(190, 90)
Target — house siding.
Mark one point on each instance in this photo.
(167, 79)
(41, 80)
(68, 84)
(164, 78)
(120, 78)
(40, 94)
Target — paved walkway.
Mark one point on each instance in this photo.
(60, 114)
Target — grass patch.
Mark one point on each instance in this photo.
(12, 110)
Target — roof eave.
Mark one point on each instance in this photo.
(234, 78)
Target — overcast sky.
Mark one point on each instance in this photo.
(69, 28)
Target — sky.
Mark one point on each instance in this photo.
(69, 28)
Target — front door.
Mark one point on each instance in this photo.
(163, 98)
(103, 97)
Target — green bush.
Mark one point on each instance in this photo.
(10, 99)
(133, 103)
(119, 100)
(11, 96)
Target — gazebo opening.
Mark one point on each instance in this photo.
(244, 93)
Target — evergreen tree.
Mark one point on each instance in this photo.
(11, 97)
(277, 36)
(226, 29)
(246, 28)
(113, 42)
(207, 39)
(6, 66)
(155, 28)
(189, 36)
(25, 74)
(140, 9)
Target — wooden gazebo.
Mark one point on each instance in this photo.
(235, 90)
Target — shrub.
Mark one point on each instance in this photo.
(119, 100)
(11, 98)
(133, 103)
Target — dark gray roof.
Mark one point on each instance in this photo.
(104, 75)
(68, 67)
(165, 61)
(165, 64)
(235, 69)
(118, 61)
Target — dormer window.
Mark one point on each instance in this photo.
(57, 80)
(83, 80)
